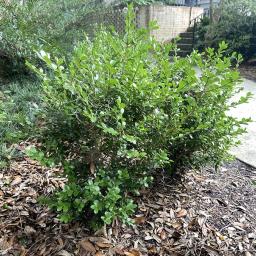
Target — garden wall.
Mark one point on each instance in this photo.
(172, 20)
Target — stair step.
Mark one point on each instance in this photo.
(181, 53)
(190, 29)
(185, 47)
(184, 40)
(187, 35)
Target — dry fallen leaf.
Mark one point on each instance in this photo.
(29, 230)
(87, 246)
(102, 231)
(64, 253)
(103, 245)
(157, 238)
(204, 230)
(99, 239)
(99, 254)
(241, 208)
(95, 239)
(201, 220)
(147, 238)
(176, 225)
(126, 236)
(199, 178)
(163, 235)
(22, 251)
(152, 249)
(118, 250)
(139, 220)
(182, 213)
(24, 213)
(4, 244)
(133, 252)
(17, 180)
(252, 236)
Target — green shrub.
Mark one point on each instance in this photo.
(200, 32)
(19, 103)
(120, 110)
(235, 23)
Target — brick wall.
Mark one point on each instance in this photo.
(172, 20)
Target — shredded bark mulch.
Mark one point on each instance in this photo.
(198, 213)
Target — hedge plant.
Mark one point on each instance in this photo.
(119, 112)
(235, 23)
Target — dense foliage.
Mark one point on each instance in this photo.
(26, 26)
(201, 29)
(120, 110)
(235, 23)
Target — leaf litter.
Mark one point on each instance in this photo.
(195, 213)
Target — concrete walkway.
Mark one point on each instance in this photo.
(246, 152)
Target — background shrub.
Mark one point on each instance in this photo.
(235, 23)
(26, 26)
(119, 110)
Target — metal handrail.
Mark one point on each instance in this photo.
(193, 22)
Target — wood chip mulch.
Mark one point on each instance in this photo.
(199, 213)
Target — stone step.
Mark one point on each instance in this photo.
(181, 53)
(184, 40)
(185, 47)
(185, 44)
(186, 35)
(190, 29)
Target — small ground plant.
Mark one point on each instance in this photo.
(120, 110)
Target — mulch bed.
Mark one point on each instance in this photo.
(198, 213)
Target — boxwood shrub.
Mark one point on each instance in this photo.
(120, 111)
